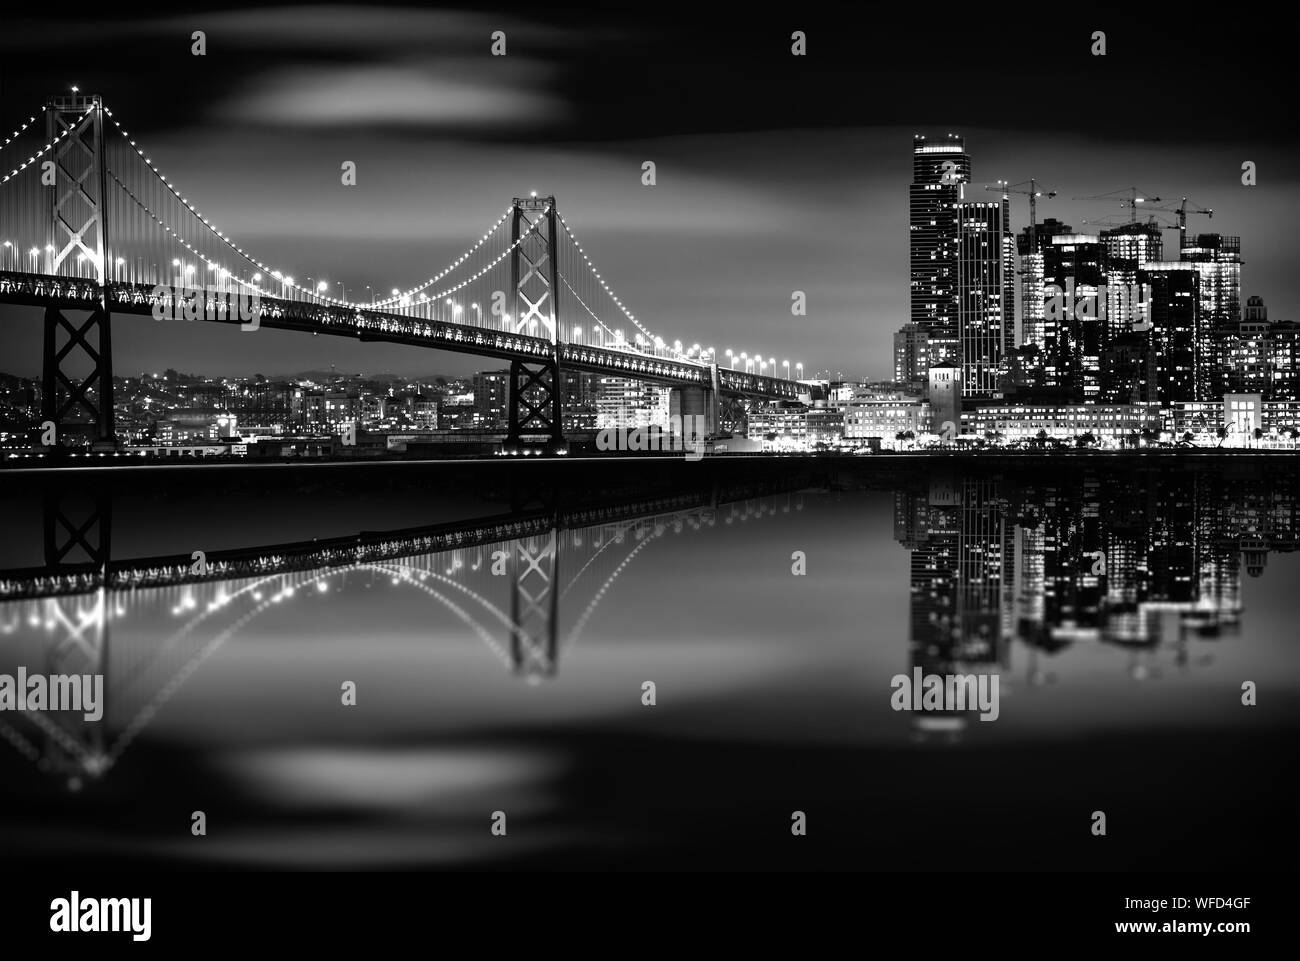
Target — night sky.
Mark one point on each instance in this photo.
(775, 173)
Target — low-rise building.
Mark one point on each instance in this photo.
(1113, 425)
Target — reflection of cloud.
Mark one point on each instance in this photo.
(414, 780)
(454, 93)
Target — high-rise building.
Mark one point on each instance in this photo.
(1074, 273)
(578, 402)
(624, 403)
(1127, 248)
(1218, 259)
(1177, 336)
(911, 354)
(1257, 357)
(939, 169)
(1033, 330)
(986, 293)
(490, 397)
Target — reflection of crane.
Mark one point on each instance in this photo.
(1033, 193)
(1182, 210)
(1128, 197)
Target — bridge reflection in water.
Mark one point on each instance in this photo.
(503, 576)
(1088, 587)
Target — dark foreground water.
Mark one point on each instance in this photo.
(500, 624)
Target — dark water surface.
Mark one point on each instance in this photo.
(499, 624)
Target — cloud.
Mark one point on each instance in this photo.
(452, 94)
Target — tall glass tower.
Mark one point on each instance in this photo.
(939, 170)
(986, 293)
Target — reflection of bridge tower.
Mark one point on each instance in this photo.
(77, 533)
(77, 527)
(534, 605)
(536, 388)
(74, 746)
(78, 231)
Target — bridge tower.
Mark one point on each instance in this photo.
(536, 388)
(78, 233)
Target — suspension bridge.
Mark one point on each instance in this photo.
(508, 579)
(92, 227)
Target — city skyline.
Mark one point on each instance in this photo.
(868, 342)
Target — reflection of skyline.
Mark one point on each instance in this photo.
(1134, 561)
(993, 561)
(759, 673)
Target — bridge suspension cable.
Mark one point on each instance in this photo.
(260, 265)
(150, 222)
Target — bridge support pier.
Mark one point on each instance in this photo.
(535, 395)
(62, 391)
(695, 402)
(732, 416)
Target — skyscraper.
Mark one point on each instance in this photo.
(939, 169)
(1074, 270)
(1127, 249)
(986, 293)
(1033, 328)
(1218, 261)
(1176, 332)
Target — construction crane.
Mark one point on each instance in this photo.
(1182, 210)
(1033, 193)
(1128, 197)
(1115, 220)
